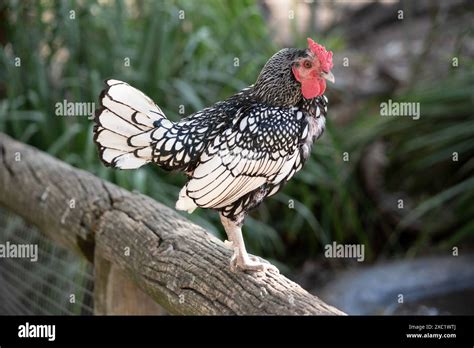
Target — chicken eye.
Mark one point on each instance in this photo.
(307, 64)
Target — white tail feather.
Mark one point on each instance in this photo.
(124, 126)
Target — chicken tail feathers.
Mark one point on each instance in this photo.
(124, 126)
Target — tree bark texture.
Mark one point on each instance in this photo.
(178, 264)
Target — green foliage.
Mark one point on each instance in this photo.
(435, 157)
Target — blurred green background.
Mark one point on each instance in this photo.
(191, 62)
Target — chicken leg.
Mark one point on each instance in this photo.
(241, 260)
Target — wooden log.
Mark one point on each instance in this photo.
(181, 266)
(116, 294)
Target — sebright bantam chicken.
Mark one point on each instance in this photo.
(236, 152)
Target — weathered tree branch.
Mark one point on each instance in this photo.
(180, 265)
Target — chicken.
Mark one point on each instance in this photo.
(236, 152)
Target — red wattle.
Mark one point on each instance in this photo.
(313, 88)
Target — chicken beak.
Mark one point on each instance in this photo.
(328, 76)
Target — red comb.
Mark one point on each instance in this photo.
(324, 56)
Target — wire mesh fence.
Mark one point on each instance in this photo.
(57, 283)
